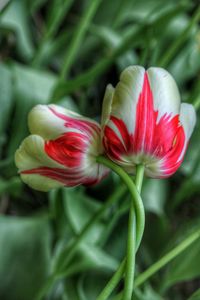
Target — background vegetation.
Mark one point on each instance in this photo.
(66, 52)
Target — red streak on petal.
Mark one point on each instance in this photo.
(162, 139)
(66, 177)
(112, 143)
(68, 149)
(145, 120)
(123, 131)
(75, 123)
(172, 159)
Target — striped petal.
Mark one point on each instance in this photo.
(126, 96)
(145, 127)
(31, 156)
(62, 151)
(50, 121)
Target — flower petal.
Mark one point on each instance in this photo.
(174, 158)
(126, 95)
(144, 124)
(69, 160)
(31, 155)
(51, 121)
(107, 104)
(188, 121)
(166, 95)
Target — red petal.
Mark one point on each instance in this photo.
(68, 149)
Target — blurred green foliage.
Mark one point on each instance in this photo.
(66, 52)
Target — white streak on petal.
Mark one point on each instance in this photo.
(117, 132)
(188, 121)
(126, 95)
(43, 122)
(31, 155)
(165, 92)
(40, 183)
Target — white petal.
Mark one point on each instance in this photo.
(126, 95)
(165, 92)
(31, 154)
(107, 104)
(188, 121)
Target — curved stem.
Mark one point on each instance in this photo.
(136, 198)
(131, 246)
(136, 210)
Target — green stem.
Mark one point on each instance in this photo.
(136, 198)
(68, 253)
(139, 177)
(164, 260)
(131, 246)
(112, 283)
(78, 37)
(139, 217)
(167, 258)
(130, 255)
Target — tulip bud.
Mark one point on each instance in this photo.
(61, 150)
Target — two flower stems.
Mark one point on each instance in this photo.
(134, 237)
(187, 242)
(135, 231)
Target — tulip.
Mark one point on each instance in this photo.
(143, 122)
(61, 150)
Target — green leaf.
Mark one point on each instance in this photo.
(11, 186)
(5, 101)
(79, 210)
(70, 289)
(186, 265)
(16, 18)
(195, 296)
(6, 96)
(154, 195)
(90, 257)
(147, 294)
(31, 87)
(91, 284)
(191, 164)
(25, 256)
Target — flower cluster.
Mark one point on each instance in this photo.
(143, 122)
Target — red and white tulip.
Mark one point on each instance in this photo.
(61, 150)
(145, 123)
